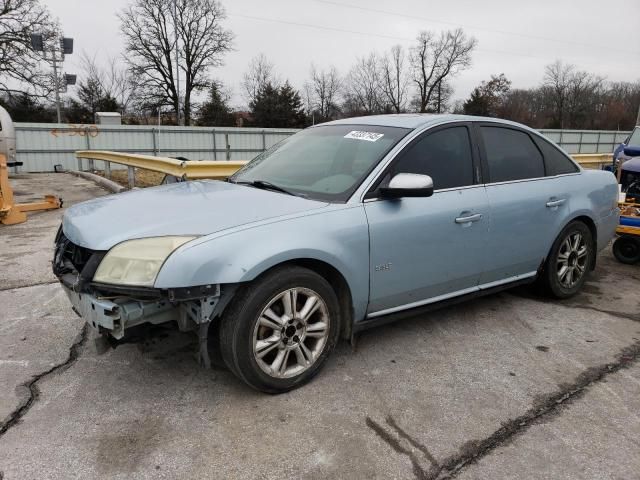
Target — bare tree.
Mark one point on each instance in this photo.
(586, 94)
(523, 106)
(259, 75)
(434, 59)
(556, 81)
(394, 79)
(115, 80)
(148, 27)
(308, 98)
(323, 90)
(620, 106)
(568, 98)
(442, 94)
(572, 93)
(362, 88)
(19, 65)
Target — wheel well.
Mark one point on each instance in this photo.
(594, 234)
(337, 282)
(589, 223)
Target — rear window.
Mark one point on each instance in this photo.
(511, 154)
(556, 162)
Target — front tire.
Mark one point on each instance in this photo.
(278, 331)
(627, 250)
(570, 259)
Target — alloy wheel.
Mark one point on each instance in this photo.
(291, 332)
(573, 256)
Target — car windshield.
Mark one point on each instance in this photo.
(634, 140)
(325, 163)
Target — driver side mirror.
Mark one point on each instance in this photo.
(408, 185)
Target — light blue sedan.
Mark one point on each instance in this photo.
(340, 227)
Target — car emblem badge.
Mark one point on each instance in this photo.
(384, 267)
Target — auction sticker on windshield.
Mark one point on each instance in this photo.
(368, 136)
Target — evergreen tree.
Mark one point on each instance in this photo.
(26, 108)
(293, 114)
(215, 112)
(90, 94)
(277, 107)
(485, 99)
(477, 104)
(91, 99)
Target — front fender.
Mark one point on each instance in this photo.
(338, 236)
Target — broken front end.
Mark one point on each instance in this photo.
(111, 310)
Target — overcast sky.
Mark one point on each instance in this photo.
(515, 37)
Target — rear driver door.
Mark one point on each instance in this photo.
(527, 207)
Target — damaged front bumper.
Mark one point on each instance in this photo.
(112, 309)
(114, 316)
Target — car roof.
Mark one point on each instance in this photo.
(417, 120)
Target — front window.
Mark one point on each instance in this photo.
(444, 155)
(324, 163)
(634, 139)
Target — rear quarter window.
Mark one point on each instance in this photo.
(556, 162)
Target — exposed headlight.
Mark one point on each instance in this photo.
(137, 262)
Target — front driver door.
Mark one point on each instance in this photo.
(427, 249)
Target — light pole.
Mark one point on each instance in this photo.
(56, 82)
(38, 43)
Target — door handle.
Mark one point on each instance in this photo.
(552, 203)
(469, 218)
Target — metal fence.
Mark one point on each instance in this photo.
(586, 141)
(41, 146)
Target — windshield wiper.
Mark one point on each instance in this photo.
(264, 185)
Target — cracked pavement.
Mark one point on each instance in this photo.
(508, 386)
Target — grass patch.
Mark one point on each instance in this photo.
(144, 178)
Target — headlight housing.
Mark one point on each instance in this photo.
(137, 262)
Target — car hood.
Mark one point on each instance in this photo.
(185, 208)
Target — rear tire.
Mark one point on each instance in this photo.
(279, 330)
(569, 261)
(626, 249)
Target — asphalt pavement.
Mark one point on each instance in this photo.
(508, 386)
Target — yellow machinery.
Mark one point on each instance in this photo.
(11, 212)
(626, 248)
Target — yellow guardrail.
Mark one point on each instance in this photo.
(593, 160)
(193, 169)
(222, 169)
